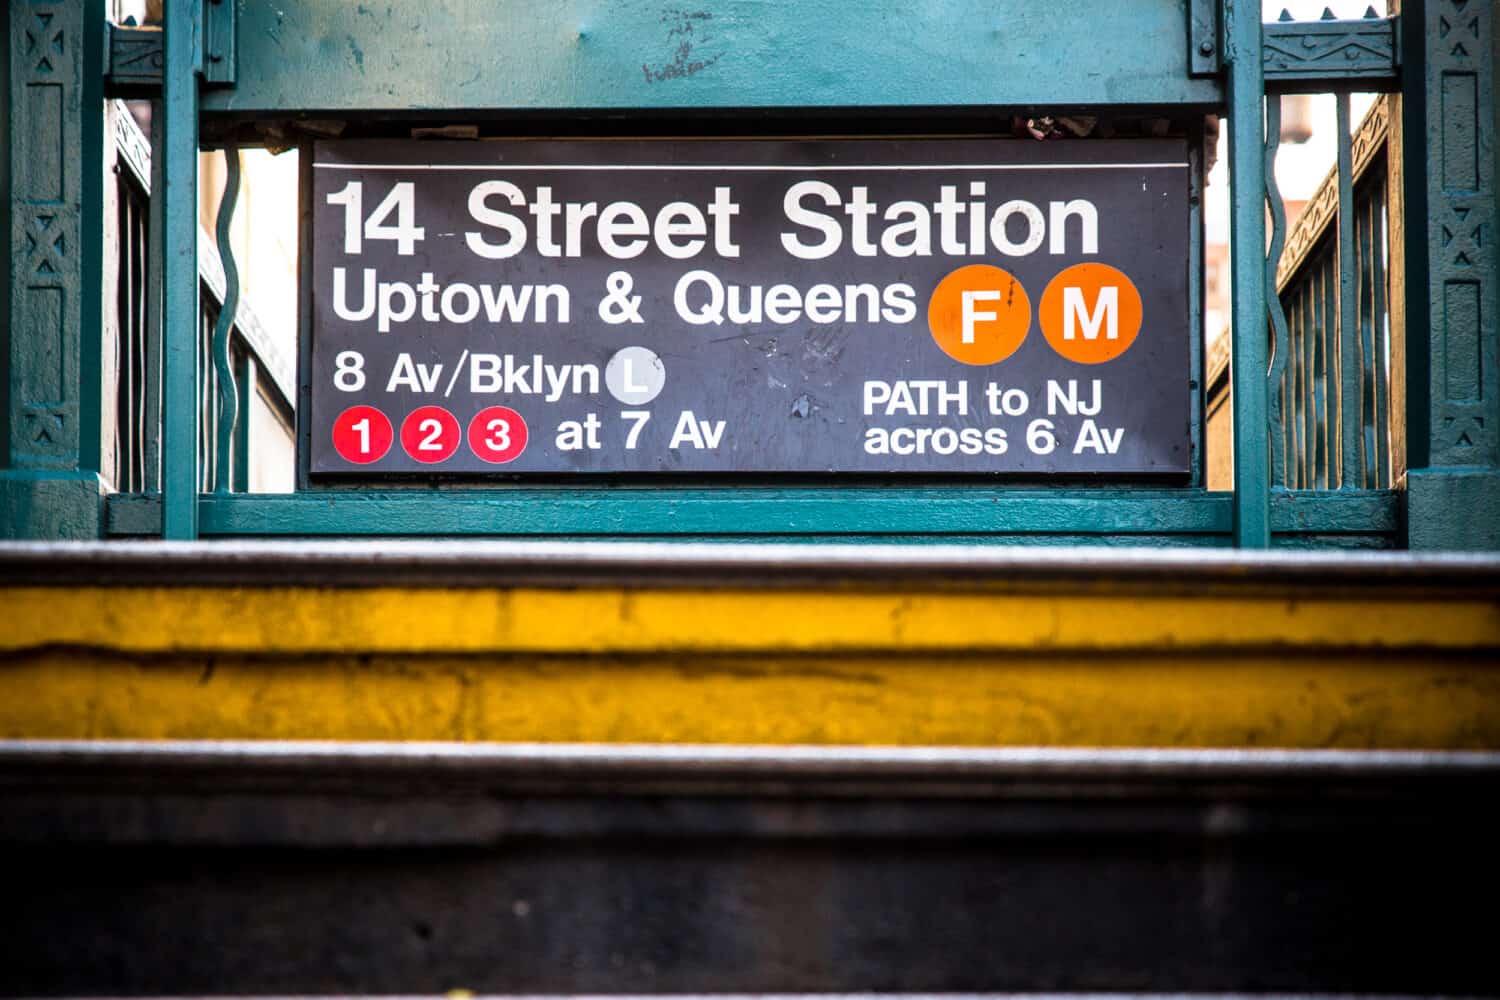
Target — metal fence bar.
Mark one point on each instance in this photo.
(155, 241)
(206, 378)
(1350, 381)
(1324, 382)
(1296, 474)
(1375, 329)
(1325, 321)
(1306, 473)
(1329, 385)
(130, 406)
(1370, 446)
(1305, 409)
(1252, 459)
(179, 270)
(1312, 378)
(245, 386)
(1311, 427)
(1279, 335)
(1328, 376)
(1310, 331)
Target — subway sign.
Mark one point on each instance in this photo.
(878, 307)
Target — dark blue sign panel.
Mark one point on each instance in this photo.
(854, 306)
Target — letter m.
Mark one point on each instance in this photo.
(1106, 313)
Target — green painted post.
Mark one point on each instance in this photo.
(179, 270)
(230, 410)
(1452, 337)
(1248, 365)
(53, 180)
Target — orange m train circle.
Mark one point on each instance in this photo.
(980, 314)
(1090, 313)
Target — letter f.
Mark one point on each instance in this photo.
(970, 316)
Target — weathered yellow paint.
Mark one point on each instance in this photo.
(1082, 665)
(380, 620)
(1340, 701)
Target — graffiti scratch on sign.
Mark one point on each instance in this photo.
(685, 29)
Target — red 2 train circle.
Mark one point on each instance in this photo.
(430, 434)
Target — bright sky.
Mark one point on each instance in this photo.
(1304, 9)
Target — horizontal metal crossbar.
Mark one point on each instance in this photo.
(337, 58)
(690, 763)
(642, 564)
(1328, 54)
(1309, 56)
(1191, 517)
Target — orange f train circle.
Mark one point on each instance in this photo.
(980, 314)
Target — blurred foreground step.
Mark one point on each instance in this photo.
(564, 801)
(322, 868)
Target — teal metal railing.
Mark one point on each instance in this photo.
(137, 388)
(1311, 402)
(1331, 426)
(235, 357)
